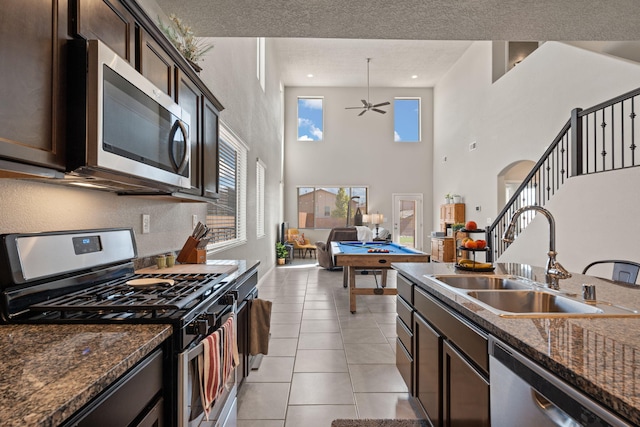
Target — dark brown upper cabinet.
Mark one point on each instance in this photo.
(190, 98)
(32, 83)
(154, 63)
(108, 21)
(210, 149)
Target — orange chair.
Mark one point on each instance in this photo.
(300, 243)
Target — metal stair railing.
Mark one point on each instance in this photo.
(599, 139)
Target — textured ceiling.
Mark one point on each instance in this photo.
(406, 31)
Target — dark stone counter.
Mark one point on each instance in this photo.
(600, 356)
(50, 371)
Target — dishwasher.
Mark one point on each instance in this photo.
(524, 394)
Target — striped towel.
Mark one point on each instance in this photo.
(220, 358)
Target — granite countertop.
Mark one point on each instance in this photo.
(600, 356)
(50, 371)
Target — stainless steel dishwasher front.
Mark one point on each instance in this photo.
(524, 394)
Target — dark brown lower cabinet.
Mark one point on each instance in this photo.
(428, 363)
(465, 392)
(451, 370)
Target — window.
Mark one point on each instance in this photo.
(260, 176)
(310, 119)
(406, 120)
(227, 216)
(260, 61)
(327, 207)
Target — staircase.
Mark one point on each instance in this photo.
(599, 139)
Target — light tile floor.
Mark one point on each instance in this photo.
(324, 362)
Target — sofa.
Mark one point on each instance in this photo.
(339, 234)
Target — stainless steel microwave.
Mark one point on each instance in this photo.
(123, 129)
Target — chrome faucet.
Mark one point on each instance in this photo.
(554, 271)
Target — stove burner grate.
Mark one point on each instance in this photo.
(116, 296)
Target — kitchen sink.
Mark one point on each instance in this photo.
(483, 282)
(532, 302)
(513, 296)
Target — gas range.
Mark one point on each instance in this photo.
(88, 276)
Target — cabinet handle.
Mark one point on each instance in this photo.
(555, 414)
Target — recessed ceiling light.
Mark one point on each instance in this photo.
(309, 75)
(415, 76)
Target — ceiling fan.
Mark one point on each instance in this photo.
(366, 105)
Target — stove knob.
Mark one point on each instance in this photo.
(198, 327)
(203, 327)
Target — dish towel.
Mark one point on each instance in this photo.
(220, 357)
(210, 373)
(260, 324)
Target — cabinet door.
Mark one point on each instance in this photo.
(428, 366)
(435, 250)
(209, 149)
(447, 252)
(33, 82)
(465, 392)
(109, 21)
(189, 97)
(155, 64)
(458, 212)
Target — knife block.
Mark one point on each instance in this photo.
(190, 254)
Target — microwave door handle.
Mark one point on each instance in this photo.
(178, 126)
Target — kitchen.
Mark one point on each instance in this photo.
(33, 206)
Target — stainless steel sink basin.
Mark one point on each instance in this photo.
(513, 296)
(532, 302)
(483, 282)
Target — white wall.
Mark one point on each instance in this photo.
(358, 151)
(229, 70)
(515, 119)
(596, 218)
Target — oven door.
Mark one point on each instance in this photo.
(190, 409)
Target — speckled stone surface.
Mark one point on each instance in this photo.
(599, 356)
(50, 371)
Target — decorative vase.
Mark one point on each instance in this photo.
(457, 199)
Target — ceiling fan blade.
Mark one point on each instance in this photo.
(381, 104)
(379, 111)
(365, 103)
(354, 108)
(363, 111)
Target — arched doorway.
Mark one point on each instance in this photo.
(510, 178)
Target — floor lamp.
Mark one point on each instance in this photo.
(349, 208)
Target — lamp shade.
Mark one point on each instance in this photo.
(376, 218)
(366, 218)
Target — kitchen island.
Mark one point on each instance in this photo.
(51, 371)
(597, 355)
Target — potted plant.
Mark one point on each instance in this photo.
(448, 198)
(457, 227)
(281, 253)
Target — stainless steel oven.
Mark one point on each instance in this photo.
(190, 406)
(122, 127)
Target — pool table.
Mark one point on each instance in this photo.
(374, 256)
